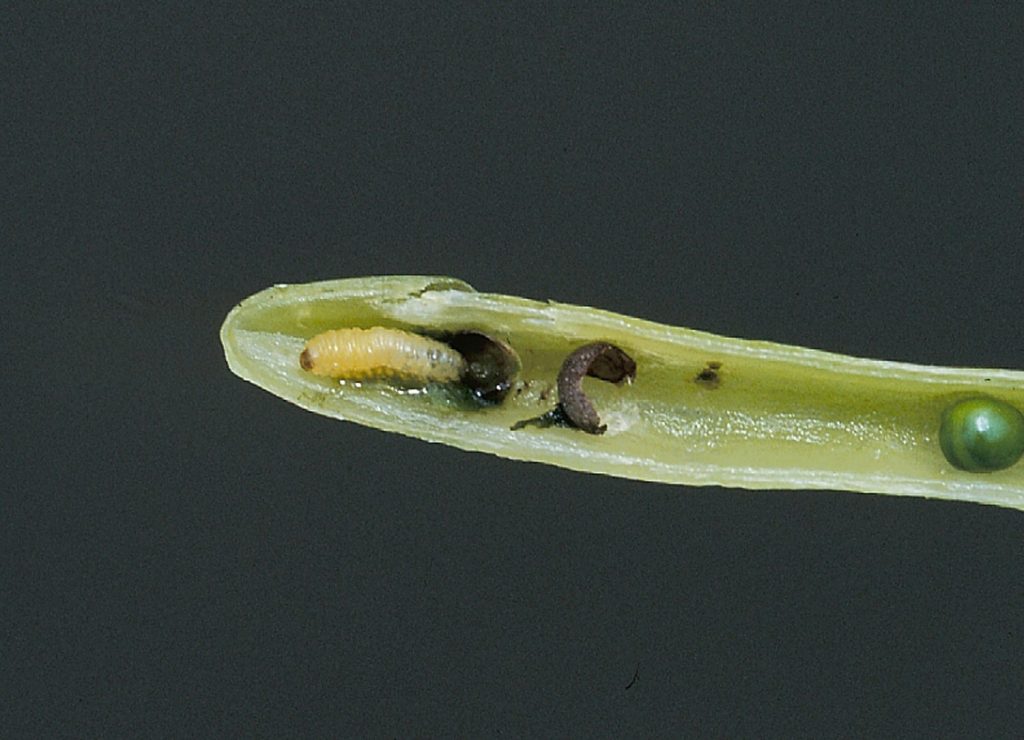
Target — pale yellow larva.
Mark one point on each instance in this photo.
(378, 352)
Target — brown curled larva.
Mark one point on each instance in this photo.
(598, 360)
(378, 352)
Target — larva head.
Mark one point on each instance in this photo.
(982, 434)
(491, 365)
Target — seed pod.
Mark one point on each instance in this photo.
(782, 416)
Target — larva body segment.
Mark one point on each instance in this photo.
(378, 352)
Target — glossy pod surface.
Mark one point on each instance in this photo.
(703, 409)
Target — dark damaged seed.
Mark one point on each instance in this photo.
(599, 360)
(491, 365)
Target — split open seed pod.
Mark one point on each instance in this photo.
(702, 410)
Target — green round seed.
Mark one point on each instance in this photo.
(982, 434)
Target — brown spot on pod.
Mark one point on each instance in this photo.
(709, 376)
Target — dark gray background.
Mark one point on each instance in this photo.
(185, 554)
